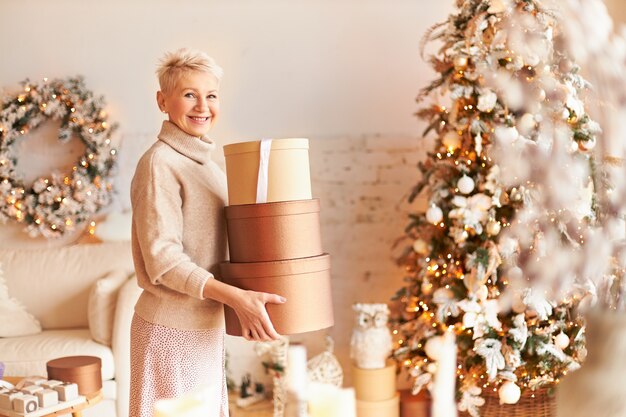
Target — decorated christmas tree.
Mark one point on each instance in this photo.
(503, 83)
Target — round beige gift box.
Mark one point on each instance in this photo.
(274, 231)
(289, 176)
(375, 384)
(388, 408)
(305, 283)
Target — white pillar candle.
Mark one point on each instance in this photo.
(194, 404)
(327, 400)
(296, 378)
(444, 404)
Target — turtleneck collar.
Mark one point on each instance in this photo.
(198, 149)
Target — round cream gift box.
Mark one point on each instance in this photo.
(388, 408)
(375, 384)
(305, 283)
(289, 175)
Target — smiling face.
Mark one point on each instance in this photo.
(193, 103)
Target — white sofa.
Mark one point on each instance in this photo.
(54, 285)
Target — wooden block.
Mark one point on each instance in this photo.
(47, 397)
(31, 389)
(25, 404)
(51, 384)
(67, 391)
(6, 399)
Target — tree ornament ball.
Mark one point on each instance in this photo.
(526, 124)
(493, 228)
(421, 247)
(434, 214)
(433, 347)
(561, 340)
(509, 393)
(460, 62)
(465, 184)
(518, 305)
(451, 140)
(587, 145)
(540, 94)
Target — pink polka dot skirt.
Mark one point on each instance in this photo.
(167, 363)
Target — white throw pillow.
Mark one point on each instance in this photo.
(101, 307)
(16, 321)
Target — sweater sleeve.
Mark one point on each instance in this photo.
(158, 223)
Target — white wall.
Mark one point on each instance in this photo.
(316, 68)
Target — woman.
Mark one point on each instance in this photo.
(178, 196)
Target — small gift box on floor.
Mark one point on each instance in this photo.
(84, 371)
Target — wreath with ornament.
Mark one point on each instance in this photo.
(57, 203)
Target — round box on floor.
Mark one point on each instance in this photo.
(375, 384)
(305, 283)
(289, 176)
(388, 408)
(85, 371)
(274, 231)
(415, 405)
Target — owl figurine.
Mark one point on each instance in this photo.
(370, 345)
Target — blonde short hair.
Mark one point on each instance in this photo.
(173, 64)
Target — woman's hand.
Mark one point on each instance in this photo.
(255, 322)
(249, 307)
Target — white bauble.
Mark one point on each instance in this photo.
(561, 340)
(493, 228)
(587, 145)
(434, 214)
(509, 393)
(518, 306)
(433, 347)
(465, 184)
(540, 94)
(460, 62)
(515, 273)
(526, 124)
(451, 140)
(420, 246)
(565, 114)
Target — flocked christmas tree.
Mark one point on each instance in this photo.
(501, 81)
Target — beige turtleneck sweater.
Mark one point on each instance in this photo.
(178, 231)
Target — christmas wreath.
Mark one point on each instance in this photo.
(55, 204)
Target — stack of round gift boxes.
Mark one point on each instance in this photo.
(275, 245)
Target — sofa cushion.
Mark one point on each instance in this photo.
(27, 355)
(101, 307)
(16, 321)
(53, 284)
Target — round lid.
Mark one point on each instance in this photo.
(73, 362)
(277, 144)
